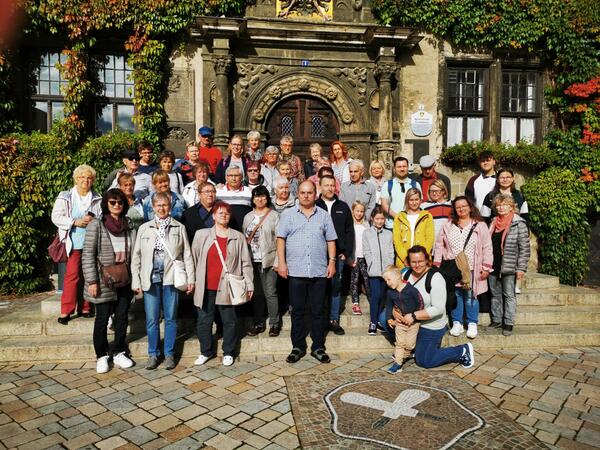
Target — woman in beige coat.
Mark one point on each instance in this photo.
(211, 289)
(152, 271)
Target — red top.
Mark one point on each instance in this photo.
(213, 276)
(211, 156)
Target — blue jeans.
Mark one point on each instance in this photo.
(336, 290)
(465, 300)
(377, 286)
(428, 353)
(168, 297)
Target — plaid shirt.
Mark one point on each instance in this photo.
(306, 241)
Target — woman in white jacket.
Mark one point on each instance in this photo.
(153, 272)
(72, 212)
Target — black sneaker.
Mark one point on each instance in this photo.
(372, 329)
(495, 325)
(334, 326)
(467, 360)
(508, 330)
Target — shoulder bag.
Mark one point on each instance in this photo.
(115, 275)
(57, 250)
(180, 275)
(458, 272)
(236, 285)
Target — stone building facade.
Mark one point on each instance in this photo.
(334, 73)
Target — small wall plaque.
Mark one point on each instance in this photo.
(421, 122)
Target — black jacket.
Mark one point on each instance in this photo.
(193, 222)
(222, 166)
(343, 224)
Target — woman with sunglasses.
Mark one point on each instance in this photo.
(108, 242)
(253, 176)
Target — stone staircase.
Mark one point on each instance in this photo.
(548, 315)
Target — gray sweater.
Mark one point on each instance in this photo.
(98, 246)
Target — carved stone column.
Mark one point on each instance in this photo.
(384, 72)
(222, 64)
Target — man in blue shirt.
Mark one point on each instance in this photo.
(306, 256)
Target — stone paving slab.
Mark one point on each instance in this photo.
(553, 395)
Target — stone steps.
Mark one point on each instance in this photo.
(65, 348)
(548, 315)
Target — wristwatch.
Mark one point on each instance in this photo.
(414, 317)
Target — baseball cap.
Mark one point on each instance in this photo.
(206, 131)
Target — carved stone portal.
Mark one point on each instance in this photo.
(320, 87)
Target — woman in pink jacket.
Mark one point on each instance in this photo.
(465, 230)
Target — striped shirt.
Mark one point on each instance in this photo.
(243, 196)
(306, 241)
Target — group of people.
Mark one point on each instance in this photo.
(294, 232)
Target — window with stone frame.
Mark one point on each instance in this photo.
(467, 110)
(520, 106)
(117, 112)
(47, 97)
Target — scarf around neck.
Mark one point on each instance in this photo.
(162, 225)
(115, 226)
(502, 224)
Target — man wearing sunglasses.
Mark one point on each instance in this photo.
(131, 164)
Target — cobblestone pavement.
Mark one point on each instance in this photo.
(555, 395)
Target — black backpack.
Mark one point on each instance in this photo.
(450, 293)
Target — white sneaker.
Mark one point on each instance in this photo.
(472, 331)
(227, 360)
(200, 360)
(122, 361)
(457, 329)
(517, 290)
(102, 364)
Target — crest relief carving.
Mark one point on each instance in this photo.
(357, 78)
(250, 74)
(305, 9)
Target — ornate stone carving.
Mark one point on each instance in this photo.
(258, 115)
(250, 74)
(385, 71)
(275, 92)
(331, 93)
(357, 5)
(304, 85)
(354, 152)
(222, 64)
(305, 8)
(178, 133)
(357, 78)
(347, 117)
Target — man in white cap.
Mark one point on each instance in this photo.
(429, 174)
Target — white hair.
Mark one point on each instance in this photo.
(357, 163)
(253, 134)
(280, 181)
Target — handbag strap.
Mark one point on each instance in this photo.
(469, 235)
(249, 238)
(164, 244)
(221, 256)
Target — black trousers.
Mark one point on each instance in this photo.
(311, 290)
(120, 309)
(204, 320)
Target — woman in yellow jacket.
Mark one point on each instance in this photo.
(412, 226)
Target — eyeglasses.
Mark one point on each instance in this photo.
(133, 158)
(236, 145)
(209, 191)
(252, 170)
(115, 203)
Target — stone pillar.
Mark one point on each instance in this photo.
(222, 64)
(385, 70)
(494, 126)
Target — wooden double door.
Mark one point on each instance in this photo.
(307, 120)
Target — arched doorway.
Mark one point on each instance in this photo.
(307, 120)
